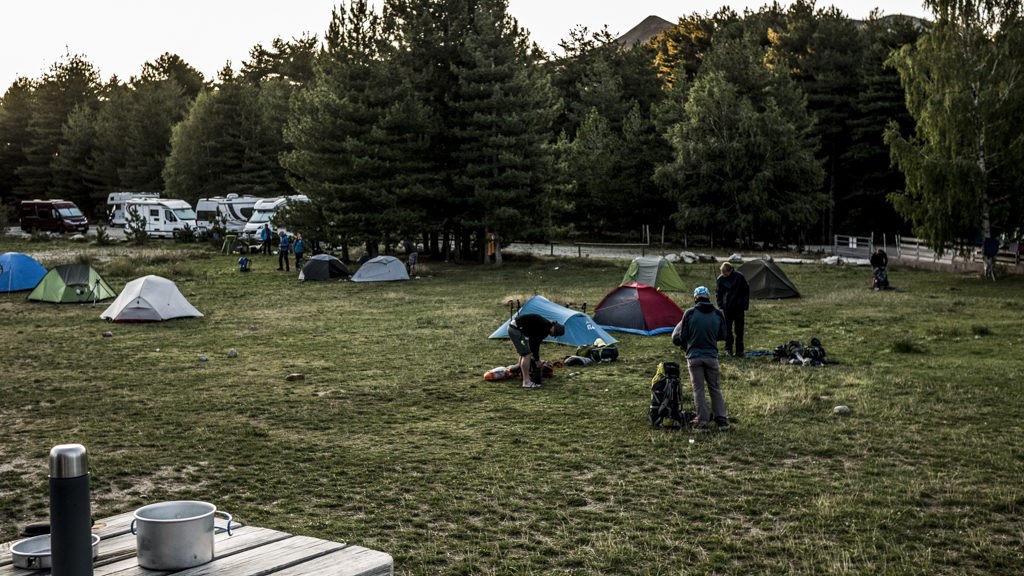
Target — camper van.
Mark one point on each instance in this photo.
(117, 200)
(264, 212)
(163, 217)
(53, 215)
(234, 209)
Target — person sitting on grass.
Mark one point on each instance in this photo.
(527, 331)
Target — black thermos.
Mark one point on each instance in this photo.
(70, 516)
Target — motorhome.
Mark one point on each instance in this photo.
(162, 217)
(53, 215)
(264, 212)
(116, 202)
(235, 210)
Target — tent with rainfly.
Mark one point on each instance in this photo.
(638, 309)
(19, 272)
(766, 280)
(580, 329)
(72, 283)
(149, 299)
(381, 269)
(654, 271)
(324, 267)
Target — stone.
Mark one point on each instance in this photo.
(841, 410)
(108, 334)
(203, 357)
(232, 353)
(295, 377)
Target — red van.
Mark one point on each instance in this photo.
(52, 215)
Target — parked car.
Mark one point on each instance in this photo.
(52, 215)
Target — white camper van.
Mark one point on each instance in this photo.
(117, 200)
(234, 209)
(264, 212)
(163, 217)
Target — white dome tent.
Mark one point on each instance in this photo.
(149, 299)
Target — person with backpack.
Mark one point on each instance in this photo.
(527, 331)
(880, 276)
(282, 254)
(698, 334)
(733, 295)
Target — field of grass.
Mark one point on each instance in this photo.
(394, 441)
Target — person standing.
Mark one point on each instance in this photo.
(299, 248)
(733, 295)
(266, 236)
(282, 254)
(527, 331)
(698, 334)
(411, 256)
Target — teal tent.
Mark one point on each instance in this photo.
(580, 329)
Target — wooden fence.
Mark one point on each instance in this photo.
(914, 252)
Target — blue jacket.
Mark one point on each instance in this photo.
(285, 241)
(700, 330)
(299, 246)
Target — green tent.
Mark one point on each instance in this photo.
(654, 271)
(72, 283)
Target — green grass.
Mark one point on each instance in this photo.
(394, 441)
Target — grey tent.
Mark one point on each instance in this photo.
(381, 269)
(323, 267)
(766, 280)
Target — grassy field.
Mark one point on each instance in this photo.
(393, 440)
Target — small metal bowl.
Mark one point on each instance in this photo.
(34, 553)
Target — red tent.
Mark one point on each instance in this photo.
(638, 309)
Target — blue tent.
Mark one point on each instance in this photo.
(580, 330)
(19, 272)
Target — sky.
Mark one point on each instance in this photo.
(119, 36)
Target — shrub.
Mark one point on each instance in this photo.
(102, 237)
(905, 346)
(135, 228)
(981, 330)
(185, 235)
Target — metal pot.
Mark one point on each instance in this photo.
(34, 553)
(175, 535)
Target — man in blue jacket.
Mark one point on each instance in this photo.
(282, 255)
(698, 334)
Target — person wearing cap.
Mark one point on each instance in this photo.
(527, 331)
(698, 334)
(733, 295)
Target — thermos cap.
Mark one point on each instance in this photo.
(68, 461)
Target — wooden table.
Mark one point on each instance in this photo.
(249, 550)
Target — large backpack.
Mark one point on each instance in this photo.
(665, 394)
(601, 353)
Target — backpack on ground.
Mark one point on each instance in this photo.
(602, 353)
(665, 394)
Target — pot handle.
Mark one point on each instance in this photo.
(228, 529)
(132, 528)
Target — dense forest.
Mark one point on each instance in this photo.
(441, 119)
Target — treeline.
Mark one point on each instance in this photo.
(440, 119)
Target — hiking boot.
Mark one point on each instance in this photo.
(701, 427)
(723, 426)
(531, 384)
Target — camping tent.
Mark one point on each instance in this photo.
(72, 283)
(580, 329)
(149, 299)
(766, 280)
(19, 272)
(637, 309)
(654, 271)
(381, 269)
(323, 267)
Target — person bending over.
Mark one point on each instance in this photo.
(527, 331)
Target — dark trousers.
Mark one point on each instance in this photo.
(734, 331)
(266, 247)
(298, 260)
(282, 260)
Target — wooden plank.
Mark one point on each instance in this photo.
(267, 559)
(349, 561)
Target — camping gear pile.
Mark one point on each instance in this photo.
(795, 353)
